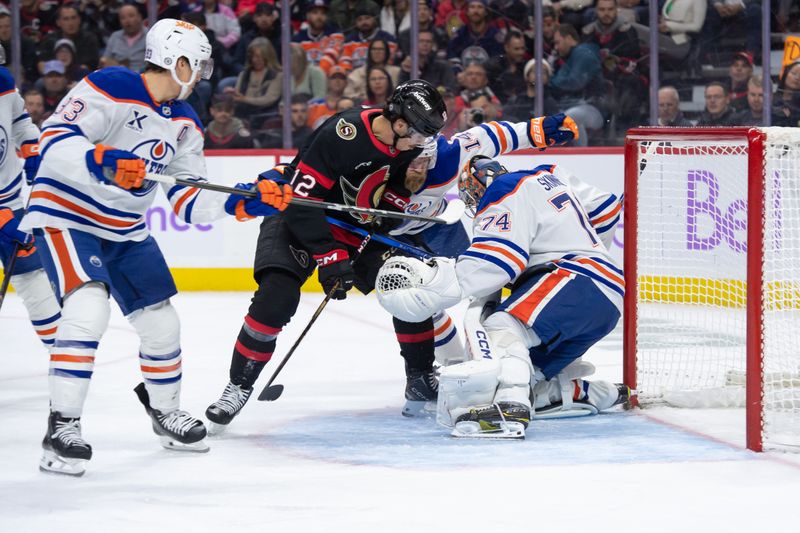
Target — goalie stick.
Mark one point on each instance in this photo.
(450, 215)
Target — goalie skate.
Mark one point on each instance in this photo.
(504, 420)
(177, 430)
(65, 451)
(422, 391)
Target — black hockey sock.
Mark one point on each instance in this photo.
(253, 349)
(416, 344)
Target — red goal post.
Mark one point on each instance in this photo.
(712, 272)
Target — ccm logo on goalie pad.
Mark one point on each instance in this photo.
(483, 344)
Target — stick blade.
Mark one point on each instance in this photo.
(271, 393)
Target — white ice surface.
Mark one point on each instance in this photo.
(333, 453)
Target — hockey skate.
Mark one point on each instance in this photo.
(596, 396)
(178, 430)
(221, 412)
(422, 390)
(502, 420)
(65, 451)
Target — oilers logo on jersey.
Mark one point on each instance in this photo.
(156, 154)
(3, 145)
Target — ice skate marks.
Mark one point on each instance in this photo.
(381, 437)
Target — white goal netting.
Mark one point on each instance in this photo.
(692, 307)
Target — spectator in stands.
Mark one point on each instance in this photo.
(54, 83)
(733, 17)
(477, 32)
(345, 12)
(300, 129)
(259, 85)
(320, 109)
(267, 25)
(37, 19)
(522, 107)
(740, 71)
(379, 87)
(620, 52)
(357, 42)
(718, 111)
(550, 24)
(377, 56)
(126, 46)
(306, 78)
(87, 47)
(510, 15)
(678, 21)
(753, 114)
(320, 39)
(669, 110)
(101, 17)
(786, 103)
(635, 10)
(222, 20)
(65, 52)
(425, 15)
(572, 12)
(395, 16)
(480, 108)
(474, 80)
(577, 84)
(344, 103)
(226, 130)
(34, 105)
(506, 71)
(28, 55)
(451, 15)
(435, 71)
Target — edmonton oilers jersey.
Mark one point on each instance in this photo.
(113, 107)
(16, 131)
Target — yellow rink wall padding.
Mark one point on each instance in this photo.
(715, 292)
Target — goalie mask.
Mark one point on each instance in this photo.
(413, 290)
(169, 40)
(477, 175)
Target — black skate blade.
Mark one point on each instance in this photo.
(271, 393)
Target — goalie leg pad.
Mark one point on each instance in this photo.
(512, 341)
(159, 328)
(465, 385)
(84, 319)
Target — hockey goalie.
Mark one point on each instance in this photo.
(544, 233)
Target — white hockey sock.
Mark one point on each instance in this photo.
(84, 319)
(447, 344)
(159, 354)
(43, 309)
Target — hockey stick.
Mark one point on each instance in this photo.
(450, 215)
(7, 271)
(383, 239)
(271, 392)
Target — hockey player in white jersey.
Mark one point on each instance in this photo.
(18, 133)
(87, 212)
(545, 232)
(431, 176)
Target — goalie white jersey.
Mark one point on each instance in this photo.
(16, 132)
(113, 107)
(543, 216)
(490, 139)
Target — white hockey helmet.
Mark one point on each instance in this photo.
(169, 40)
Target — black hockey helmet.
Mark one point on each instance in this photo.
(479, 172)
(418, 103)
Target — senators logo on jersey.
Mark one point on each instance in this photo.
(367, 194)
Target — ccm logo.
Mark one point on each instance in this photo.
(395, 200)
(330, 258)
(483, 344)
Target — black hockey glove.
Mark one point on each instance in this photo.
(333, 266)
(384, 225)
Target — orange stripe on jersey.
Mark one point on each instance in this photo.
(50, 133)
(62, 357)
(71, 278)
(501, 251)
(524, 309)
(8, 91)
(161, 369)
(498, 129)
(183, 199)
(46, 331)
(608, 215)
(123, 100)
(82, 210)
(441, 329)
(609, 274)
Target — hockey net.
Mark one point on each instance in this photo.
(712, 267)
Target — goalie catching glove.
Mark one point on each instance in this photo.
(413, 290)
(272, 197)
(553, 130)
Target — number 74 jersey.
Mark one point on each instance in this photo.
(542, 217)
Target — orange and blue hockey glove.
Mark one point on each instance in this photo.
(116, 167)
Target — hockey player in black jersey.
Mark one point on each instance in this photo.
(357, 157)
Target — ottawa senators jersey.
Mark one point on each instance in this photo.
(345, 163)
